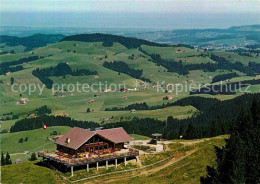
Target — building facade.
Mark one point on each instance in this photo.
(78, 141)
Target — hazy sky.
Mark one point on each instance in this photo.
(130, 13)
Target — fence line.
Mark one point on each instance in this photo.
(116, 172)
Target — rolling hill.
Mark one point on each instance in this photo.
(28, 43)
(105, 80)
(90, 52)
(187, 165)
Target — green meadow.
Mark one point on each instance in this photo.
(91, 56)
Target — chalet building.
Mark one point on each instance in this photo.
(168, 98)
(133, 111)
(22, 101)
(62, 115)
(82, 142)
(32, 115)
(96, 95)
(180, 51)
(82, 147)
(141, 82)
(91, 101)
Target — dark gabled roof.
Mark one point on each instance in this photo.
(116, 135)
(79, 136)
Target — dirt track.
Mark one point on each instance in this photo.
(144, 172)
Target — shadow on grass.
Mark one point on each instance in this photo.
(60, 167)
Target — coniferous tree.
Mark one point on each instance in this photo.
(33, 157)
(239, 160)
(8, 160)
(190, 132)
(2, 159)
(181, 131)
(253, 144)
(213, 129)
(12, 80)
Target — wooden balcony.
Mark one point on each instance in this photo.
(70, 162)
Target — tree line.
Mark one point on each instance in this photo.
(223, 77)
(43, 110)
(37, 122)
(109, 39)
(62, 69)
(5, 160)
(213, 118)
(31, 42)
(136, 106)
(9, 66)
(197, 102)
(221, 63)
(122, 67)
(226, 89)
(239, 160)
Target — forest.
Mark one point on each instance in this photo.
(108, 40)
(226, 89)
(42, 110)
(136, 106)
(224, 77)
(122, 67)
(34, 123)
(239, 160)
(10, 66)
(221, 63)
(213, 118)
(62, 69)
(31, 42)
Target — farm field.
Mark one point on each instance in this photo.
(129, 92)
(92, 105)
(91, 56)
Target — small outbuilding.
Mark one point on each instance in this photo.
(17, 161)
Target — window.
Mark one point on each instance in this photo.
(91, 140)
(67, 140)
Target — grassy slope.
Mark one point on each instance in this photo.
(233, 57)
(186, 170)
(139, 137)
(36, 138)
(86, 56)
(28, 173)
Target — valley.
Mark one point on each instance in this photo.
(94, 80)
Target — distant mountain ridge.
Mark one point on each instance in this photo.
(31, 42)
(109, 39)
(232, 36)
